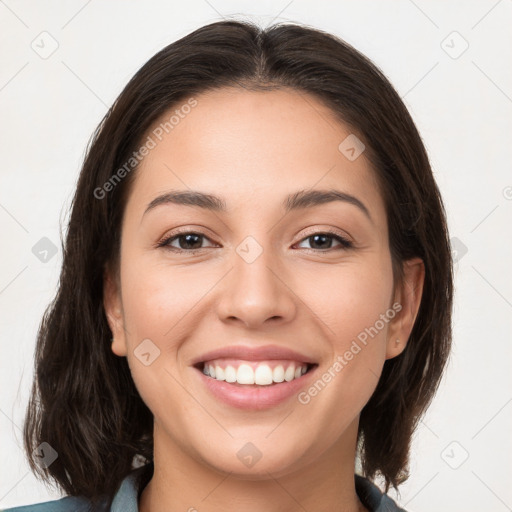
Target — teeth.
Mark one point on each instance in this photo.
(278, 374)
(289, 374)
(230, 374)
(219, 373)
(263, 375)
(244, 374)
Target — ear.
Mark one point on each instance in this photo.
(407, 303)
(114, 311)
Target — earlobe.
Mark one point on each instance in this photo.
(118, 347)
(408, 295)
(114, 313)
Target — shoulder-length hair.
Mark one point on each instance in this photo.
(84, 402)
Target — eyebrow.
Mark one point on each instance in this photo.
(298, 200)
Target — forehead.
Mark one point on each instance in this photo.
(245, 145)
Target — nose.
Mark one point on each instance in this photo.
(257, 292)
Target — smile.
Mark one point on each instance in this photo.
(259, 373)
(254, 385)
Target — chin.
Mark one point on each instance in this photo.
(247, 462)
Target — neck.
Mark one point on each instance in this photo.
(181, 483)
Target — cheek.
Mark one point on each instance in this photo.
(354, 302)
(156, 299)
(345, 303)
(356, 312)
(352, 314)
(161, 304)
(155, 312)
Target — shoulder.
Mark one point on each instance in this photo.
(66, 504)
(125, 499)
(372, 497)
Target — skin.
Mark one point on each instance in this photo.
(253, 149)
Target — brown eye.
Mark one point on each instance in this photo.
(323, 241)
(186, 242)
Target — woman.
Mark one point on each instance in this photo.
(256, 288)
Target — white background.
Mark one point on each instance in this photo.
(462, 107)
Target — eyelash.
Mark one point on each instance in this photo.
(345, 244)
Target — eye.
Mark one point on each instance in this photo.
(323, 240)
(191, 242)
(187, 242)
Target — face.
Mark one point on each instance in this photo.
(315, 278)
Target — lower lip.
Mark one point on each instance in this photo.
(255, 397)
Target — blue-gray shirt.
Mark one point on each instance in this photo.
(127, 497)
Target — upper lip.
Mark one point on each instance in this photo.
(254, 354)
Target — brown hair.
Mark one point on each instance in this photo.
(84, 402)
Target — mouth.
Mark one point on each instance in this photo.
(254, 374)
(254, 385)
